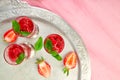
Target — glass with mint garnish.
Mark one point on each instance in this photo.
(25, 27)
(15, 54)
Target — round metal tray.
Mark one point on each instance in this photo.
(48, 23)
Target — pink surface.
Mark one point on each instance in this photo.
(98, 23)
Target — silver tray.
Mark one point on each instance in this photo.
(48, 23)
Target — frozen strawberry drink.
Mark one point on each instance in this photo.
(16, 53)
(25, 27)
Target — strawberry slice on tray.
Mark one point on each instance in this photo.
(10, 36)
(69, 61)
(44, 68)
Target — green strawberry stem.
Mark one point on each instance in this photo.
(20, 58)
(38, 44)
(56, 55)
(38, 61)
(66, 71)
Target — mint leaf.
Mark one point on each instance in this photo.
(56, 55)
(20, 58)
(48, 45)
(24, 33)
(16, 26)
(39, 43)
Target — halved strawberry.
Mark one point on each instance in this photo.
(70, 61)
(44, 68)
(10, 36)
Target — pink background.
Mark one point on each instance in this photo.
(98, 23)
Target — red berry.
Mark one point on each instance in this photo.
(10, 36)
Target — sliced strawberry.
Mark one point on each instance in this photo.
(70, 61)
(10, 36)
(44, 68)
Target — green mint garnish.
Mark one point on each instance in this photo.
(48, 46)
(56, 55)
(16, 26)
(24, 33)
(38, 45)
(20, 58)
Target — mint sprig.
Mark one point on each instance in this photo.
(49, 46)
(38, 45)
(16, 28)
(20, 58)
(56, 55)
(24, 33)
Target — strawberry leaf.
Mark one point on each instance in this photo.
(20, 58)
(66, 71)
(38, 61)
(24, 33)
(48, 45)
(16, 26)
(38, 45)
(56, 55)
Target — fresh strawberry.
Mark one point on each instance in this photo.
(10, 36)
(57, 43)
(44, 68)
(70, 61)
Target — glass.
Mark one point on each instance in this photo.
(12, 52)
(27, 25)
